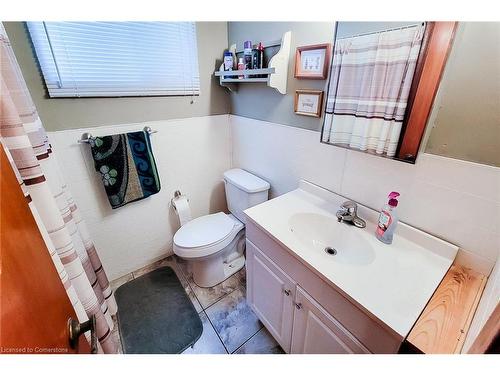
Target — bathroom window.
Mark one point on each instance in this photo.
(98, 59)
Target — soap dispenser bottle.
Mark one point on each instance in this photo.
(388, 220)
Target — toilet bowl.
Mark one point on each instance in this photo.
(214, 244)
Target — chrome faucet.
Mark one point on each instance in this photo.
(348, 213)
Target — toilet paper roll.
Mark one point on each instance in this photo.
(181, 206)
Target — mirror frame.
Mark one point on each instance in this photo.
(424, 87)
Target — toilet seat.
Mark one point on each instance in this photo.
(206, 235)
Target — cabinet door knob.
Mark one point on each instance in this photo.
(287, 291)
(298, 305)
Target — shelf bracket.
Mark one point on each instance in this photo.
(279, 62)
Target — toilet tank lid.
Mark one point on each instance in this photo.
(246, 181)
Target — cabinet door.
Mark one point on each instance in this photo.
(270, 294)
(315, 331)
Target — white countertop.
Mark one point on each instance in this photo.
(394, 285)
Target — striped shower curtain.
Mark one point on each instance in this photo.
(369, 88)
(55, 211)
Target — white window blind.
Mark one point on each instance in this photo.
(81, 59)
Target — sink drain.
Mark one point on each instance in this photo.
(330, 251)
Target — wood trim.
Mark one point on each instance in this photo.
(488, 339)
(445, 321)
(436, 55)
(326, 62)
(415, 81)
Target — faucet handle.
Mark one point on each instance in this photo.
(348, 213)
(350, 206)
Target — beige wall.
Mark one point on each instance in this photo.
(260, 102)
(465, 122)
(69, 113)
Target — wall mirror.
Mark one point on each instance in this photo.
(465, 119)
(383, 80)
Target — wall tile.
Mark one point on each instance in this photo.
(455, 200)
(369, 179)
(475, 179)
(282, 155)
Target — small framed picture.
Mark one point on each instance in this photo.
(308, 102)
(311, 62)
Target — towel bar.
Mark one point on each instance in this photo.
(86, 136)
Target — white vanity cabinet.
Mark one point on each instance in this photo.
(315, 331)
(271, 294)
(292, 316)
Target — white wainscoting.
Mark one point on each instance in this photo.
(452, 199)
(191, 156)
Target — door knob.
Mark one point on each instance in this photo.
(298, 305)
(287, 291)
(75, 329)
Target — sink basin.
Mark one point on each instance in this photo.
(339, 242)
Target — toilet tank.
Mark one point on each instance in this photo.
(244, 190)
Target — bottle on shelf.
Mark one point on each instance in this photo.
(247, 55)
(260, 58)
(241, 66)
(228, 61)
(255, 61)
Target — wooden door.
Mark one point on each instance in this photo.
(270, 294)
(315, 331)
(34, 306)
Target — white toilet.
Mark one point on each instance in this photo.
(214, 244)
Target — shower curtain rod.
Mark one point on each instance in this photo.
(382, 31)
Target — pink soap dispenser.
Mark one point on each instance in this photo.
(388, 220)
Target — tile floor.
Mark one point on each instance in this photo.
(229, 325)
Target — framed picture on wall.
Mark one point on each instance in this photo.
(311, 62)
(308, 102)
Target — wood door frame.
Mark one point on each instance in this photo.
(436, 47)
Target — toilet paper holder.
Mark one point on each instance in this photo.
(177, 194)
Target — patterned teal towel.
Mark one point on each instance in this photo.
(127, 166)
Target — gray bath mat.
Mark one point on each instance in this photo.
(155, 314)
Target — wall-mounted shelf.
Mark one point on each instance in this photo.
(244, 80)
(276, 74)
(247, 75)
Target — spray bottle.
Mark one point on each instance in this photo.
(388, 219)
